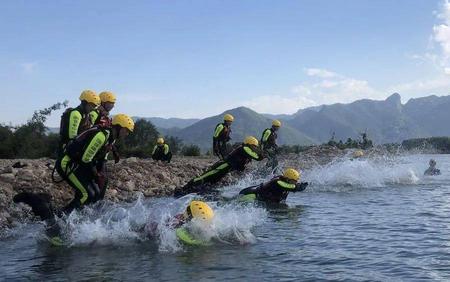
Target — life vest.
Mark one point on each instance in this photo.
(77, 147)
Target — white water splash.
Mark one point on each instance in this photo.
(142, 220)
(379, 172)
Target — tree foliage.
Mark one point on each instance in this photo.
(140, 143)
(30, 140)
(191, 150)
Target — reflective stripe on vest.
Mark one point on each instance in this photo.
(286, 185)
(266, 135)
(251, 153)
(74, 123)
(94, 146)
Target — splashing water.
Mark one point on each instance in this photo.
(379, 172)
(114, 224)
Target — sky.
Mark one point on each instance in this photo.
(193, 59)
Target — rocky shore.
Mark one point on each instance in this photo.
(127, 179)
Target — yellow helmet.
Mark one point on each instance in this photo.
(124, 121)
(201, 210)
(276, 123)
(90, 97)
(107, 96)
(291, 174)
(358, 154)
(250, 140)
(228, 117)
(160, 140)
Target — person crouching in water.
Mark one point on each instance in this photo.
(236, 160)
(161, 151)
(77, 166)
(277, 189)
(195, 210)
(432, 170)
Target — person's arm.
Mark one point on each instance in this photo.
(97, 142)
(74, 123)
(93, 115)
(253, 153)
(154, 150)
(299, 187)
(166, 149)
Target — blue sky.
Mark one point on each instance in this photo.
(199, 58)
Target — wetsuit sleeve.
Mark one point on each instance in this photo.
(74, 123)
(97, 142)
(253, 154)
(166, 149)
(93, 116)
(218, 131)
(266, 135)
(286, 186)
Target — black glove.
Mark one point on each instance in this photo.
(301, 186)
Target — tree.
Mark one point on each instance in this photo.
(31, 139)
(140, 142)
(6, 142)
(191, 150)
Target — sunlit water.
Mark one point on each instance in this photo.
(377, 219)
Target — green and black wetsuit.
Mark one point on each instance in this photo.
(78, 166)
(274, 191)
(162, 153)
(73, 122)
(221, 137)
(270, 147)
(236, 160)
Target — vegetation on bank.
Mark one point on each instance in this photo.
(33, 140)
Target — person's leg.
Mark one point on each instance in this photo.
(80, 178)
(211, 176)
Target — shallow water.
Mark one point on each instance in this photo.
(359, 220)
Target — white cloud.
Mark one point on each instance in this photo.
(437, 85)
(438, 55)
(441, 36)
(322, 87)
(322, 73)
(28, 67)
(276, 104)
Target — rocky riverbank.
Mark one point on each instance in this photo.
(128, 178)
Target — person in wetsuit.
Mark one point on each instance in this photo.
(236, 160)
(432, 170)
(161, 151)
(197, 210)
(269, 144)
(277, 189)
(77, 166)
(221, 136)
(76, 120)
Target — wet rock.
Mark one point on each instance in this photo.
(7, 169)
(129, 186)
(7, 177)
(26, 175)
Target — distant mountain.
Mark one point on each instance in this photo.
(246, 122)
(385, 121)
(169, 122)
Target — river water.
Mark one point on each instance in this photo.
(377, 220)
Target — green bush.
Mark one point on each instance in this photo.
(191, 150)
